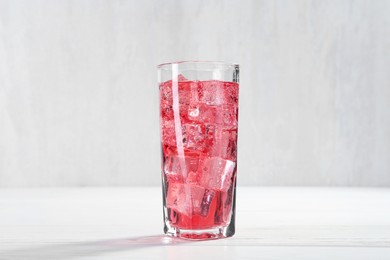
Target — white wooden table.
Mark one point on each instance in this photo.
(126, 223)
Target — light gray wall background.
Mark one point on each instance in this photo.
(78, 93)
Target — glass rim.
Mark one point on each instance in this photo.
(218, 63)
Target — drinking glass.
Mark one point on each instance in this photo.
(199, 126)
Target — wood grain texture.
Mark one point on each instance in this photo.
(78, 93)
(126, 223)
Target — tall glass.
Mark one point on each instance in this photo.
(199, 124)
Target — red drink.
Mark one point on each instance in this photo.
(199, 150)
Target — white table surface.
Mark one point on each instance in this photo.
(126, 223)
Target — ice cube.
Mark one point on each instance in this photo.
(227, 117)
(213, 93)
(227, 202)
(173, 166)
(166, 110)
(199, 199)
(231, 150)
(221, 142)
(205, 205)
(168, 135)
(231, 93)
(217, 173)
(193, 136)
(166, 91)
(172, 169)
(176, 198)
(186, 89)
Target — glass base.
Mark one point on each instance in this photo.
(200, 234)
